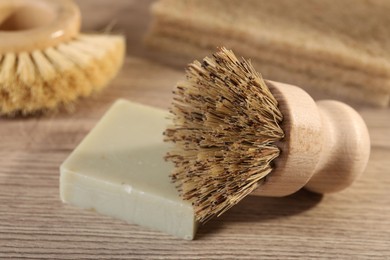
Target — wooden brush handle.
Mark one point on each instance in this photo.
(326, 145)
(27, 25)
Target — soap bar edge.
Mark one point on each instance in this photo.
(64, 171)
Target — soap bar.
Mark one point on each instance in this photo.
(119, 170)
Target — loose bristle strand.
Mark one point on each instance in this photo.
(225, 125)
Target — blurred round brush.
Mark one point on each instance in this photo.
(235, 134)
(45, 62)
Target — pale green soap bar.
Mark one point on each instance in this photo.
(119, 170)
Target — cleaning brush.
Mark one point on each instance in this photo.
(235, 134)
(45, 62)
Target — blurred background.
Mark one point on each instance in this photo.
(331, 49)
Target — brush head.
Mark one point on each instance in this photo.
(43, 80)
(225, 125)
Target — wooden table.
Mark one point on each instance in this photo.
(34, 223)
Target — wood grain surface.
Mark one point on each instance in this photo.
(34, 224)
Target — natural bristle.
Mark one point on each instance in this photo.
(46, 79)
(225, 124)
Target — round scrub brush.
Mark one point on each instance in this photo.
(236, 134)
(45, 62)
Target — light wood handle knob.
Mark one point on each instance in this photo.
(27, 25)
(326, 145)
(345, 148)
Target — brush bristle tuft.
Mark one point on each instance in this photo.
(45, 80)
(225, 124)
